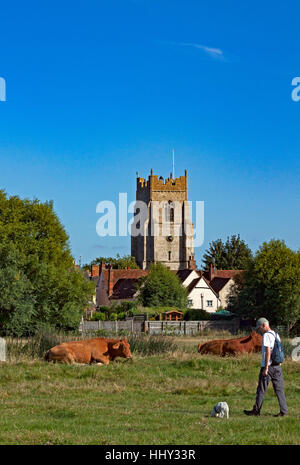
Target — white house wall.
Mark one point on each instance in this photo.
(224, 293)
(208, 295)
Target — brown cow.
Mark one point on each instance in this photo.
(211, 347)
(99, 349)
(249, 344)
(215, 346)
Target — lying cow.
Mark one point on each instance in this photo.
(211, 347)
(245, 344)
(215, 346)
(99, 350)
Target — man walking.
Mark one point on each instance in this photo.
(269, 371)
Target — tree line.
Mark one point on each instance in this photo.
(270, 283)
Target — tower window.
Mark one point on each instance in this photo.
(170, 211)
(172, 214)
(169, 255)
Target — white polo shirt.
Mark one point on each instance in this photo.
(268, 341)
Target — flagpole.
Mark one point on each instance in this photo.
(173, 166)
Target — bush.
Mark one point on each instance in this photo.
(104, 308)
(113, 316)
(121, 316)
(128, 306)
(99, 316)
(217, 316)
(196, 315)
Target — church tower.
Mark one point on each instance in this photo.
(162, 230)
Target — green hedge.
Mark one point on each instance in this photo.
(194, 314)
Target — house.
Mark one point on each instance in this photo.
(115, 285)
(207, 290)
(221, 281)
(201, 295)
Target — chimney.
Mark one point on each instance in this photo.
(95, 270)
(110, 280)
(211, 272)
(192, 263)
(102, 266)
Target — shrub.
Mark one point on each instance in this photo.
(104, 308)
(121, 315)
(194, 314)
(128, 306)
(216, 316)
(99, 316)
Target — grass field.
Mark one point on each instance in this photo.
(160, 399)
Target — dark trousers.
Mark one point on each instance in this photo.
(274, 375)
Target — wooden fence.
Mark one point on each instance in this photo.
(160, 327)
(130, 326)
(190, 327)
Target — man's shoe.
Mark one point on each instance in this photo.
(280, 414)
(252, 412)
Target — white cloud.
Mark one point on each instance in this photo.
(212, 51)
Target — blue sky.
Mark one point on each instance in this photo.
(99, 90)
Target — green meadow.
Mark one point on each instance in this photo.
(164, 398)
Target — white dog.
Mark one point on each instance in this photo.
(220, 410)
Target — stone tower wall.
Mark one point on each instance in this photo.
(170, 246)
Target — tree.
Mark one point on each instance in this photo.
(38, 280)
(270, 287)
(234, 254)
(162, 288)
(118, 262)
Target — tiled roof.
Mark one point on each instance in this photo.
(220, 278)
(222, 273)
(218, 283)
(183, 274)
(124, 274)
(193, 284)
(125, 288)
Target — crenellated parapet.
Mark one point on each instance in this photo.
(145, 188)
